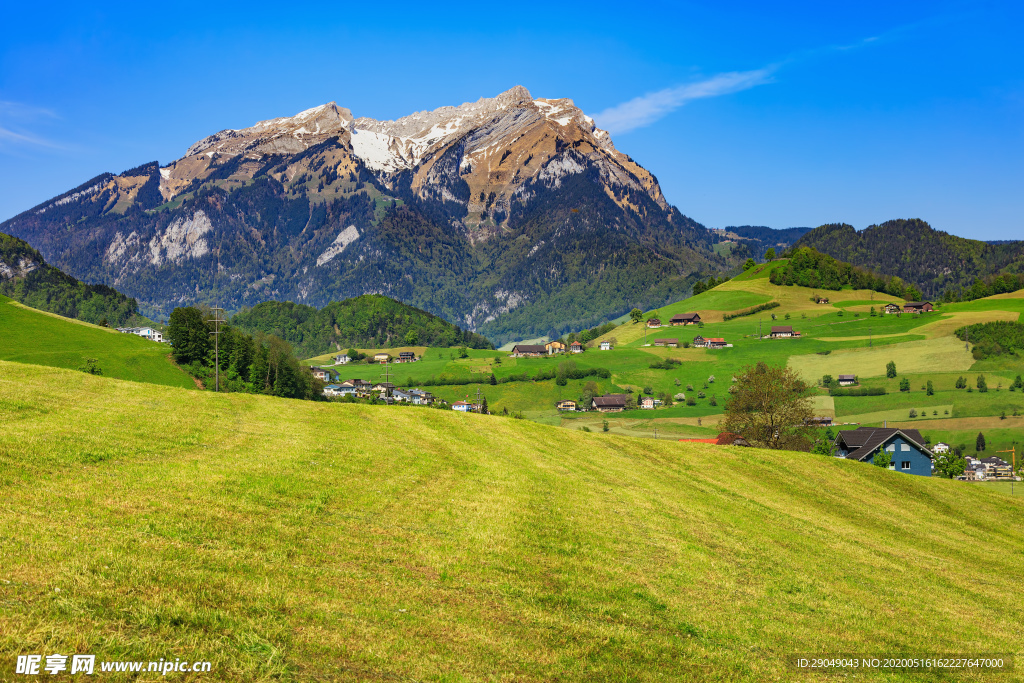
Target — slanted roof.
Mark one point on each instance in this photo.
(653, 321)
(610, 400)
(685, 316)
(995, 461)
(666, 341)
(715, 339)
(864, 441)
(847, 377)
(406, 353)
(780, 329)
(916, 304)
(529, 348)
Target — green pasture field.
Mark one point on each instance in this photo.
(295, 541)
(40, 338)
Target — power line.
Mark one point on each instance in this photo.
(217, 320)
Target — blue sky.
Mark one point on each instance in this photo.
(780, 114)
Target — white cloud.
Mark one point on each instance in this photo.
(16, 134)
(645, 110)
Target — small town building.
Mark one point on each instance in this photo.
(528, 351)
(715, 343)
(782, 331)
(406, 357)
(320, 373)
(420, 397)
(462, 406)
(673, 343)
(553, 347)
(606, 346)
(566, 405)
(576, 347)
(384, 387)
(610, 403)
(699, 341)
(382, 357)
(647, 403)
(940, 447)
(893, 308)
(823, 421)
(144, 332)
(918, 307)
(821, 300)
(905, 448)
(684, 319)
(847, 380)
(343, 359)
(653, 322)
(332, 390)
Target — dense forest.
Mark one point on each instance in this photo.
(260, 364)
(369, 321)
(994, 338)
(49, 289)
(932, 260)
(809, 268)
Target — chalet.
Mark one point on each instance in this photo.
(905, 448)
(893, 308)
(343, 359)
(606, 346)
(320, 373)
(462, 406)
(400, 395)
(653, 322)
(610, 403)
(420, 397)
(384, 387)
(647, 403)
(673, 343)
(684, 319)
(553, 347)
(918, 307)
(821, 300)
(576, 347)
(700, 341)
(406, 357)
(528, 351)
(847, 380)
(715, 343)
(144, 332)
(940, 447)
(782, 331)
(382, 357)
(566, 405)
(354, 387)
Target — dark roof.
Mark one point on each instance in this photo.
(995, 461)
(864, 441)
(529, 348)
(842, 377)
(686, 316)
(389, 385)
(653, 320)
(610, 400)
(666, 341)
(916, 304)
(406, 353)
(782, 328)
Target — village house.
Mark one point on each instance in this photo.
(144, 332)
(606, 346)
(401, 396)
(382, 357)
(406, 357)
(420, 397)
(527, 351)
(905, 448)
(647, 403)
(332, 390)
(918, 307)
(553, 347)
(673, 343)
(462, 406)
(610, 403)
(384, 387)
(699, 342)
(997, 468)
(783, 331)
(343, 359)
(320, 373)
(715, 343)
(576, 347)
(566, 405)
(653, 322)
(893, 308)
(847, 380)
(684, 319)
(821, 300)
(355, 387)
(823, 421)
(940, 447)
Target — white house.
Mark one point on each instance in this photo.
(462, 406)
(144, 332)
(940, 448)
(606, 346)
(343, 359)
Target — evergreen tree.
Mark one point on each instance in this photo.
(890, 369)
(979, 444)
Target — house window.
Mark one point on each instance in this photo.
(905, 464)
(892, 466)
(904, 446)
(891, 448)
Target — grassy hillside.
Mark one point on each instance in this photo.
(285, 540)
(31, 336)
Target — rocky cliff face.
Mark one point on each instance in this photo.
(512, 215)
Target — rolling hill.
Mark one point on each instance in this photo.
(285, 540)
(40, 338)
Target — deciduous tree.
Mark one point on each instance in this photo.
(771, 408)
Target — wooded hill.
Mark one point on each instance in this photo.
(27, 278)
(933, 260)
(369, 321)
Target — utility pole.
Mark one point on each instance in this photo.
(869, 336)
(217, 320)
(479, 406)
(1013, 472)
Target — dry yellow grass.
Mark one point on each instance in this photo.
(926, 355)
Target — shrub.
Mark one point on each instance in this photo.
(691, 401)
(904, 384)
(913, 413)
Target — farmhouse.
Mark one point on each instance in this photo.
(553, 347)
(462, 406)
(821, 300)
(406, 357)
(893, 308)
(673, 343)
(384, 387)
(905, 448)
(847, 380)
(918, 307)
(528, 351)
(320, 373)
(566, 405)
(606, 346)
(609, 403)
(782, 331)
(647, 403)
(343, 359)
(715, 343)
(576, 347)
(685, 319)
(653, 322)
(382, 357)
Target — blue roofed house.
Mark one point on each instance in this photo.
(905, 447)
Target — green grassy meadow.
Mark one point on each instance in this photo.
(31, 336)
(296, 541)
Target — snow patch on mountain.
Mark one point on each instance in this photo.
(183, 239)
(344, 238)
